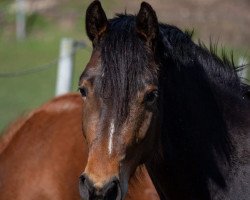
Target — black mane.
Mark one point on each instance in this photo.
(206, 98)
(201, 98)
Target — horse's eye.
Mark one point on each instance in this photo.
(83, 91)
(151, 97)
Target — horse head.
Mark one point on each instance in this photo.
(119, 88)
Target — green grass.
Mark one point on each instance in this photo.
(20, 94)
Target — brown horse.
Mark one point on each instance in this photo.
(42, 155)
(151, 95)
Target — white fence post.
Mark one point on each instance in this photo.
(20, 20)
(65, 66)
(245, 71)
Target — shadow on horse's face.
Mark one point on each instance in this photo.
(119, 90)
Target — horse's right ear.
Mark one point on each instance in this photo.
(96, 21)
(147, 24)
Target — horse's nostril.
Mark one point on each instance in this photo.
(81, 179)
(110, 191)
(86, 188)
(113, 191)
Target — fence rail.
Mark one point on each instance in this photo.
(65, 63)
(28, 71)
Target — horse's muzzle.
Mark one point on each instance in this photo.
(110, 191)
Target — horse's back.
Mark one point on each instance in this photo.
(46, 153)
(42, 156)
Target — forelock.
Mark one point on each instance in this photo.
(125, 63)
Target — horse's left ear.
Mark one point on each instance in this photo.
(96, 21)
(147, 24)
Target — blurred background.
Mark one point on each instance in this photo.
(29, 56)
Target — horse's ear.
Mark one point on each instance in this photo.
(96, 21)
(147, 24)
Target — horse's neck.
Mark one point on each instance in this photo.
(196, 145)
(189, 177)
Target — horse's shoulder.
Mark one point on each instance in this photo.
(66, 103)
